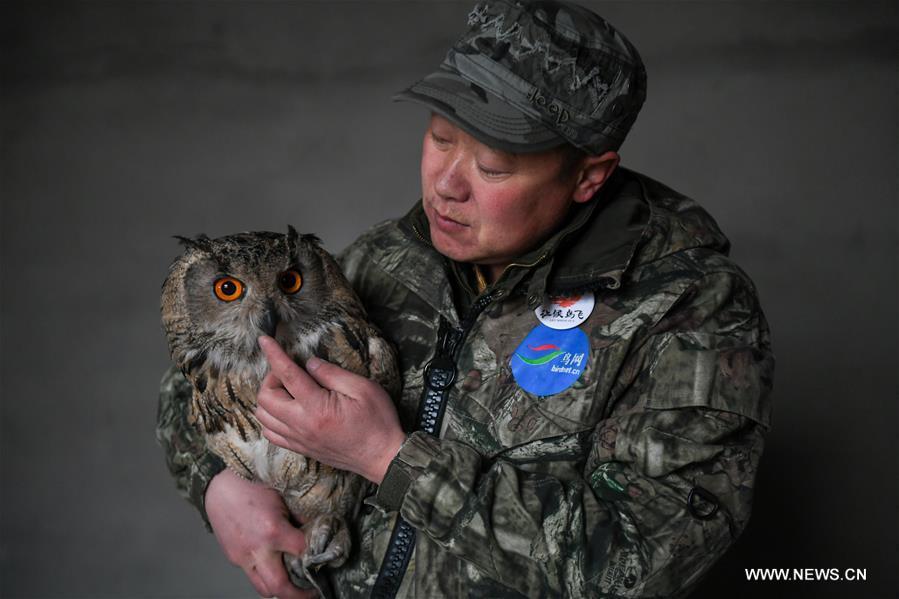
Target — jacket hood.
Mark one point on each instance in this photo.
(634, 221)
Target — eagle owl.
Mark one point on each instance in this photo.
(219, 297)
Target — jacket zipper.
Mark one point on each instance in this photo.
(421, 237)
(441, 372)
(437, 385)
(519, 264)
(455, 336)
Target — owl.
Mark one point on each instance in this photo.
(219, 297)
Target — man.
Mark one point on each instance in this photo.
(586, 375)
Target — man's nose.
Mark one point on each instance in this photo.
(452, 182)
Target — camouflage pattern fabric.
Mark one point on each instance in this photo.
(186, 455)
(629, 483)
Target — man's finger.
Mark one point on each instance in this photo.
(271, 422)
(270, 381)
(279, 405)
(273, 396)
(257, 582)
(273, 574)
(294, 378)
(333, 377)
(278, 440)
(291, 541)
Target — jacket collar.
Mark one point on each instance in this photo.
(632, 221)
(596, 249)
(613, 221)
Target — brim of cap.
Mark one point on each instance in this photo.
(480, 113)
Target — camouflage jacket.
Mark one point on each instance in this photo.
(615, 458)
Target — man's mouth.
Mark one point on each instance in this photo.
(450, 220)
(447, 221)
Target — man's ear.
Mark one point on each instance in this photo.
(593, 173)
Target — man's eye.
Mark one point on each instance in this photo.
(489, 172)
(440, 141)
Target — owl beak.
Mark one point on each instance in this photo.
(269, 320)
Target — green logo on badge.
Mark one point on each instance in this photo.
(544, 358)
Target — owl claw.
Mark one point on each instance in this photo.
(297, 573)
(327, 542)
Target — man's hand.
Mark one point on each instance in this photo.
(328, 413)
(251, 524)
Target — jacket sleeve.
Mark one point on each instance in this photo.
(666, 481)
(190, 463)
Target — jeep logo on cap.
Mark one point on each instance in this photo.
(549, 105)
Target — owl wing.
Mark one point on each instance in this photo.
(345, 345)
(382, 364)
(357, 346)
(222, 408)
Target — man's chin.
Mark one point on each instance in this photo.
(451, 248)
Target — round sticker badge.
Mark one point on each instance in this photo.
(549, 360)
(561, 312)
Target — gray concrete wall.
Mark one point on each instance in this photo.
(125, 123)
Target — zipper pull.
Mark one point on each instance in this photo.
(440, 373)
(450, 340)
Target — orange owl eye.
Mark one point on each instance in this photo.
(228, 289)
(290, 281)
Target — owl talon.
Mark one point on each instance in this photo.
(327, 542)
(297, 573)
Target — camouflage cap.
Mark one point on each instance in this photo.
(529, 76)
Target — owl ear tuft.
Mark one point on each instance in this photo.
(200, 242)
(293, 237)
